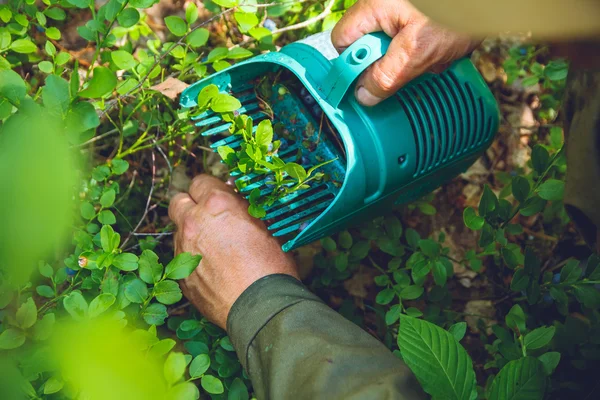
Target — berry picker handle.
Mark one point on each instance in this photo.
(351, 63)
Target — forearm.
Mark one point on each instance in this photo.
(294, 346)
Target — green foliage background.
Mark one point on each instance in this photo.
(90, 149)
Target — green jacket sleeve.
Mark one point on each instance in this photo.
(293, 346)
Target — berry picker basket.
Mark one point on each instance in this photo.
(427, 133)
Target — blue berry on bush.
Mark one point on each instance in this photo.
(270, 24)
(71, 272)
(556, 278)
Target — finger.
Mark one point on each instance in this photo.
(180, 205)
(356, 22)
(411, 53)
(204, 185)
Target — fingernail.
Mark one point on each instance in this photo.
(366, 98)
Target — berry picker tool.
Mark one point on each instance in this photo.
(427, 133)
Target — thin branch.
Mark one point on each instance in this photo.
(309, 21)
(147, 202)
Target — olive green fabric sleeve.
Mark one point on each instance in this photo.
(293, 346)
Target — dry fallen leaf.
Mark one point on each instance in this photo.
(171, 87)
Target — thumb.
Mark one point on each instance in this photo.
(406, 59)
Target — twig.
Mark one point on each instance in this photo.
(96, 138)
(309, 21)
(147, 202)
(153, 234)
(540, 235)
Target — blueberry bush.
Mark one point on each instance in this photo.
(483, 287)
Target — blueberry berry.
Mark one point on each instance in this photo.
(547, 299)
(317, 111)
(71, 272)
(308, 100)
(304, 160)
(284, 145)
(270, 24)
(556, 278)
(270, 181)
(303, 92)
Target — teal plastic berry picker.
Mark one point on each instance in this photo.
(427, 133)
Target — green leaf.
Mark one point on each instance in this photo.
(238, 53)
(80, 3)
(237, 390)
(46, 67)
(223, 103)
(515, 319)
(100, 304)
(176, 25)
(520, 280)
(119, 167)
(587, 295)
(11, 339)
(440, 273)
(539, 337)
(62, 58)
(226, 4)
(206, 95)
(329, 244)
(539, 158)
(256, 211)
(12, 86)
(198, 38)
(150, 269)
(182, 266)
(520, 188)
(123, 59)
(530, 81)
(167, 292)
(341, 262)
(264, 133)
(46, 270)
(24, 46)
(552, 190)
(393, 227)
(27, 314)
(488, 202)
(521, 379)
(174, 367)
(136, 291)
(439, 362)
(43, 329)
(53, 33)
(199, 365)
(142, 3)
(430, 247)
(550, 361)
(345, 240)
(126, 262)
(509, 257)
(128, 17)
(393, 314)
(155, 314)
(102, 83)
(183, 391)
(532, 206)
(210, 383)
(56, 95)
(53, 385)
(245, 21)
(109, 239)
(385, 296)
(411, 292)
(556, 70)
(45, 291)
(571, 272)
(76, 306)
(108, 198)
(458, 330)
(191, 13)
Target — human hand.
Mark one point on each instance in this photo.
(236, 249)
(418, 45)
